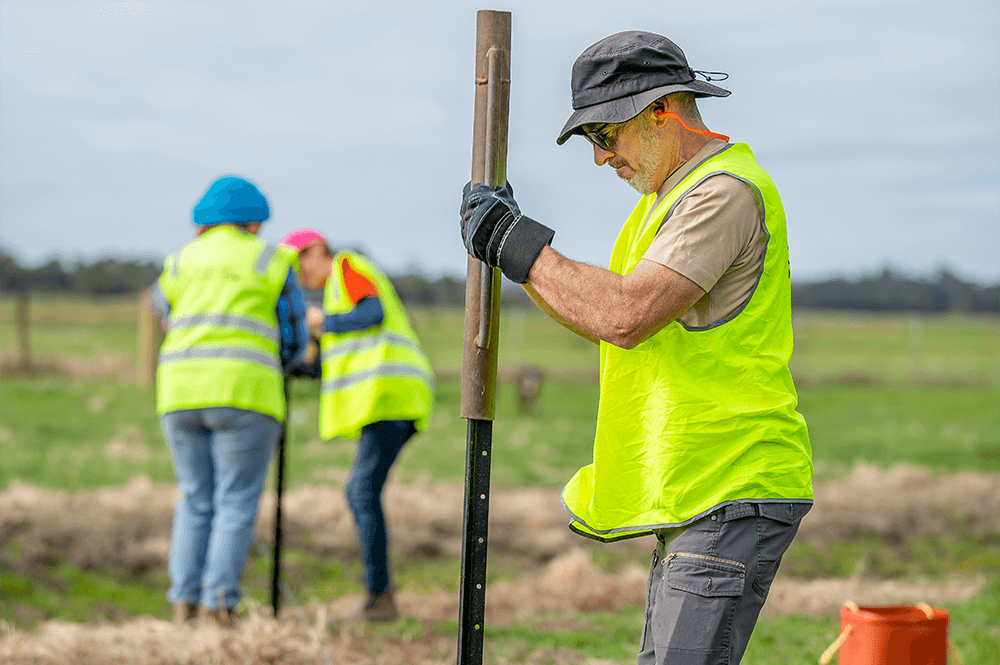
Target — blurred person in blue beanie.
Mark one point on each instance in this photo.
(235, 323)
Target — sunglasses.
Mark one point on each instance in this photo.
(601, 136)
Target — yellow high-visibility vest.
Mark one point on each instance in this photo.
(375, 374)
(695, 418)
(222, 342)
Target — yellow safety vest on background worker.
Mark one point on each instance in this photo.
(371, 375)
(222, 343)
(692, 419)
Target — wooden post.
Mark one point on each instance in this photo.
(482, 318)
(22, 319)
(150, 339)
(489, 165)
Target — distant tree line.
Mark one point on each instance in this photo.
(886, 292)
(107, 277)
(894, 293)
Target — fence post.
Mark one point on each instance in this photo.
(22, 319)
(150, 339)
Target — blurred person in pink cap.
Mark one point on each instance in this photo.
(376, 387)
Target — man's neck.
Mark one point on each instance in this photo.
(686, 151)
(691, 145)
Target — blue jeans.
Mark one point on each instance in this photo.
(378, 448)
(220, 456)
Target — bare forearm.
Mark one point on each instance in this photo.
(621, 310)
(555, 316)
(585, 296)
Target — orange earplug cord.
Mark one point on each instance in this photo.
(703, 132)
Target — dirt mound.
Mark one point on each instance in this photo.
(320, 633)
(258, 639)
(128, 529)
(903, 502)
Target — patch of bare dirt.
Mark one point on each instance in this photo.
(128, 529)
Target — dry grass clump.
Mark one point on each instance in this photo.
(128, 528)
(825, 597)
(101, 365)
(257, 639)
(903, 502)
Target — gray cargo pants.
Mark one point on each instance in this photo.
(708, 582)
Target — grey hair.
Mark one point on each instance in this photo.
(689, 105)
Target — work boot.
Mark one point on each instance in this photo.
(379, 607)
(222, 617)
(184, 611)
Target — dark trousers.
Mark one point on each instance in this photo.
(378, 448)
(708, 584)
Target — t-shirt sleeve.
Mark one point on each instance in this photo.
(358, 286)
(708, 230)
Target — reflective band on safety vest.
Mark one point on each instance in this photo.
(266, 331)
(358, 344)
(221, 353)
(386, 370)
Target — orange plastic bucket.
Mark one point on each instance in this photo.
(893, 635)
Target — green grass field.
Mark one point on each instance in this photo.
(876, 389)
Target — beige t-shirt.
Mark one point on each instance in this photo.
(715, 237)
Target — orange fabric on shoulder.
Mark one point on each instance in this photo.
(358, 286)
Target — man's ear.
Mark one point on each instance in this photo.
(659, 108)
(665, 105)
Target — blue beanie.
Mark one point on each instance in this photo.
(231, 200)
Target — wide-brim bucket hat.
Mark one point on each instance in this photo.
(619, 76)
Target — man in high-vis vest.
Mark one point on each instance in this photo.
(234, 318)
(376, 386)
(698, 439)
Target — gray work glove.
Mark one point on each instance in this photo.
(495, 232)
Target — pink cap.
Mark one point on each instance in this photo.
(299, 239)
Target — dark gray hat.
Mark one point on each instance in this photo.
(619, 76)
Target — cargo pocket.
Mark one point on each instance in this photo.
(704, 575)
(702, 594)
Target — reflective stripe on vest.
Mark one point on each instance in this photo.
(265, 259)
(221, 353)
(356, 344)
(380, 371)
(266, 331)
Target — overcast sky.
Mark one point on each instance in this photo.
(879, 120)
